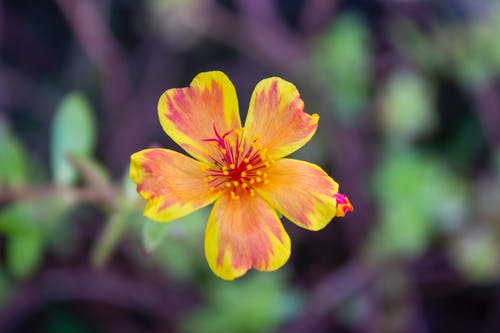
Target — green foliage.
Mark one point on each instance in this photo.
(73, 134)
(179, 244)
(112, 233)
(24, 248)
(24, 253)
(120, 217)
(476, 253)
(13, 158)
(153, 233)
(415, 45)
(407, 110)
(27, 226)
(94, 174)
(256, 303)
(470, 52)
(342, 61)
(476, 55)
(417, 197)
(16, 218)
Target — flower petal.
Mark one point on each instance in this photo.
(276, 115)
(242, 234)
(343, 205)
(189, 115)
(171, 182)
(302, 192)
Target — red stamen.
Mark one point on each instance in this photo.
(238, 163)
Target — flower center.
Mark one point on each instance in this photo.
(239, 163)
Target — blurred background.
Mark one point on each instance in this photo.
(408, 94)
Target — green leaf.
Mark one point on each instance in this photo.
(28, 227)
(418, 197)
(13, 158)
(125, 214)
(27, 216)
(16, 219)
(476, 253)
(24, 253)
(341, 59)
(407, 106)
(258, 302)
(73, 134)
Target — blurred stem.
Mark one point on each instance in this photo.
(100, 46)
(110, 236)
(82, 195)
(98, 195)
(265, 41)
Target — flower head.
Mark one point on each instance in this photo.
(242, 170)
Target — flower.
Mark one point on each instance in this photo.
(242, 170)
(343, 205)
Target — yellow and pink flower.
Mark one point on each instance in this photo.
(242, 170)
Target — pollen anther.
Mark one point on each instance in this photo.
(240, 162)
